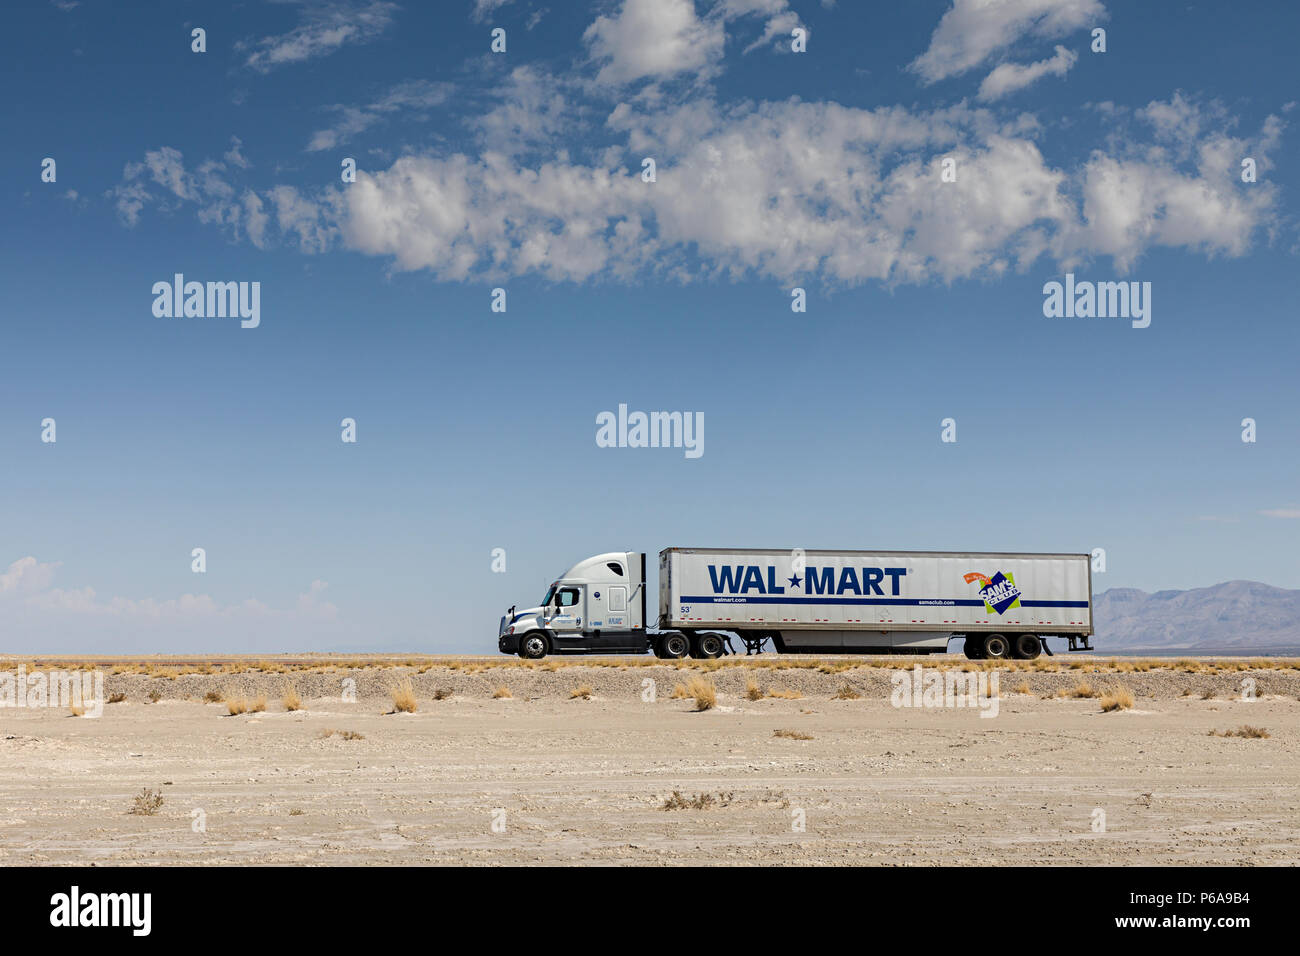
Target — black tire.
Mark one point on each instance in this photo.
(673, 646)
(706, 646)
(996, 647)
(533, 646)
(974, 648)
(1028, 646)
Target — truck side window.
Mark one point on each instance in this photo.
(616, 568)
(567, 597)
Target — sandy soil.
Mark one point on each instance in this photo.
(586, 780)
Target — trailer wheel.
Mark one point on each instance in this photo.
(996, 647)
(706, 646)
(974, 648)
(533, 647)
(674, 645)
(1028, 646)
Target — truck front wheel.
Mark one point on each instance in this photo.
(533, 647)
(974, 648)
(672, 646)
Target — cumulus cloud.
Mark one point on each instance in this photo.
(1009, 77)
(973, 31)
(655, 39)
(323, 28)
(783, 191)
(666, 39)
(26, 575)
(796, 189)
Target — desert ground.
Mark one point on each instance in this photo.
(582, 764)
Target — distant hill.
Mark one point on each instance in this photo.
(1245, 616)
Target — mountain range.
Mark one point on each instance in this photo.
(1236, 616)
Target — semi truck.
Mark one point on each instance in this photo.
(821, 602)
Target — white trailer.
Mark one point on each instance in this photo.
(825, 602)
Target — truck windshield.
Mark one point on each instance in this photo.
(550, 595)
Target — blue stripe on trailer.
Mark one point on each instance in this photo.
(919, 602)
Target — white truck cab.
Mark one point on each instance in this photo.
(598, 606)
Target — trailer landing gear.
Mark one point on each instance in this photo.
(754, 643)
(1075, 638)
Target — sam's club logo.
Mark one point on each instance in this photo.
(999, 592)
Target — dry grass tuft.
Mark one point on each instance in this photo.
(502, 693)
(1083, 689)
(213, 697)
(345, 734)
(792, 734)
(752, 690)
(784, 694)
(442, 693)
(1245, 730)
(704, 692)
(701, 801)
(147, 802)
(403, 695)
(291, 700)
(116, 698)
(258, 705)
(584, 692)
(1023, 688)
(236, 705)
(1118, 698)
(846, 693)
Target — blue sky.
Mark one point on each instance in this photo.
(521, 170)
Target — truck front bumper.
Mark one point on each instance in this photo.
(508, 643)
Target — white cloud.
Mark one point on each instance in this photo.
(323, 29)
(784, 191)
(973, 31)
(531, 111)
(412, 96)
(1182, 191)
(485, 8)
(27, 574)
(1282, 513)
(1010, 77)
(664, 39)
(234, 156)
(654, 39)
